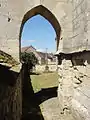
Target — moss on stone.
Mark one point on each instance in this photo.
(5, 58)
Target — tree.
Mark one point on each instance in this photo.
(29, 59)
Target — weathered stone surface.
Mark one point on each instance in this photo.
(12, 14)
(71, 20)
(74, 85)
(10, 94)
(41, 68)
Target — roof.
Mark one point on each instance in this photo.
(41, 54)
(28, 49)
(51, 55)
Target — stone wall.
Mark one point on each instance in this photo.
(12, 15)
(41, 68)
(74, 84)
(80, 25)
(73, 16)
(74, 67)
(10, 94)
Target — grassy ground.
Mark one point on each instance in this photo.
(44, 80)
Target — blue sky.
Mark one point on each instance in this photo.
(39, 33)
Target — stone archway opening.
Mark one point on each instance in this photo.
(44, 12)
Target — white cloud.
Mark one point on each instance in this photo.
(27, 41)
(40, 50)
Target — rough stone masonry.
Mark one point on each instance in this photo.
(70, 19)
(74, 68)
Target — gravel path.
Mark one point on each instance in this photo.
(51, 110)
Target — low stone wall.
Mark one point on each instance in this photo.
(10, 94)
(74, 84)
(41, 68)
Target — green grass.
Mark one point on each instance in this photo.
(44, 80)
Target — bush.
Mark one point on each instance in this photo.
(29, 59)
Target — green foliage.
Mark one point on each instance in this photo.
(29, 58)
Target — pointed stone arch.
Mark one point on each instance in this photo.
(43, 11)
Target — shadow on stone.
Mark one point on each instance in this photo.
(7, 76)
(31, 110)
(30, 100)
(45, 94)
(9, 94)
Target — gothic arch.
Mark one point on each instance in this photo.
(43, 11)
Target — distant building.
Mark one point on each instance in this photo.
(41, 56)
(51, 58)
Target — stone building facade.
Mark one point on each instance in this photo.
(70, 19)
